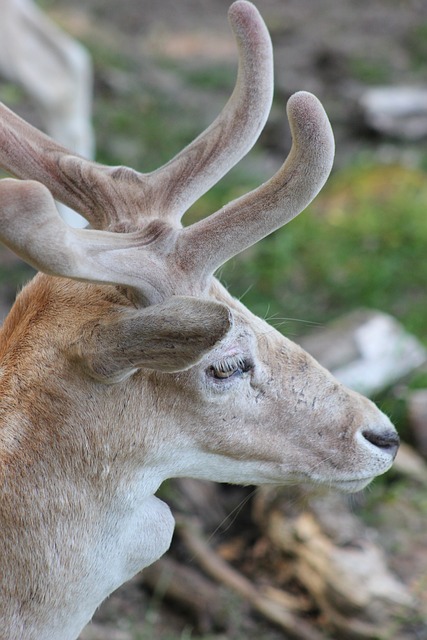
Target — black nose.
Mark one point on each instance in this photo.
(386, 440)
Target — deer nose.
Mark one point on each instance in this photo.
(388, 441)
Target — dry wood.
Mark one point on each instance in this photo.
(340, 566)
(200, 498)
(190, 589)
(260, 600)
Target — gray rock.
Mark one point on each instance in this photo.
(399, 112)
(368, 351)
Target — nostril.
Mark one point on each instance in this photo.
(386, 440)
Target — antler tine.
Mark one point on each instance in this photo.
(27, 153)
(31, 226)
(207, 244)
(179, 183)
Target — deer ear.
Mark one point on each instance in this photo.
(170, 336)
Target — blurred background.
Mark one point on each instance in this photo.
(161, 73)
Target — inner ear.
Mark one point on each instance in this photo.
(171, 336)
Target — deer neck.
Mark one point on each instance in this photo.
(84, 545)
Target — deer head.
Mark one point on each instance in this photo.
(129, 363)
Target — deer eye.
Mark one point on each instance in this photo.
(230, 367)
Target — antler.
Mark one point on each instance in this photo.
(211, 242)
(148, 249)
(118, 197)
(236, 129)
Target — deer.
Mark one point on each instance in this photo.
(125, 361)
(55, 71)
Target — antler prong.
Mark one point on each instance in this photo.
(207, 244)
(31, 226)
(229, 138)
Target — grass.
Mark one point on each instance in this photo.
(370, 71)
(147, 147)
(417, 42)
(361, 244)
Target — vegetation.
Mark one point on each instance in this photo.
(361, 244)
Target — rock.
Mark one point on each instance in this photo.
(417, 415)
(368, 351)
(410, 464)
(400, 112)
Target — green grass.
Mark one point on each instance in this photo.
(10, 94)
(138, 137)
(370, 71)
(417, 46)
(212, 78)
(362, 243)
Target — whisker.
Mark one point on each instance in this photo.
(245, 293)
(267, 311)
(274, 318)
(315, 466)
(230, 518)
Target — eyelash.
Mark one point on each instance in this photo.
(230, 367)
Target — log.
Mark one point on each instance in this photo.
(336, 560)
(187, 587)
(261, 601)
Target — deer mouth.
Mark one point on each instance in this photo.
(352, 486)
